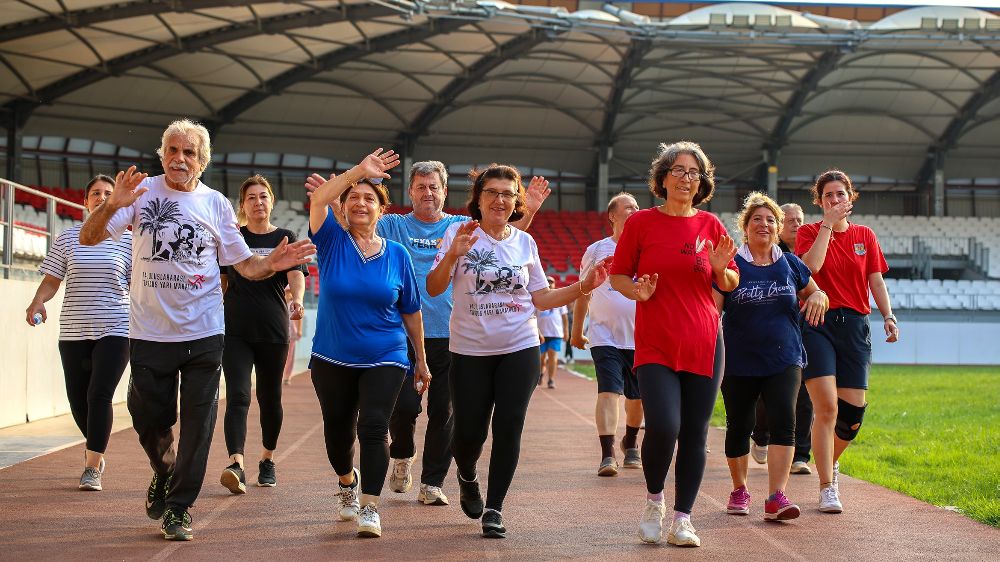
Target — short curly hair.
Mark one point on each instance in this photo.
(665, 159)
(831, 176)
(495, 171)
(755, 200)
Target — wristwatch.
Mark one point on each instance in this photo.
(893, 318)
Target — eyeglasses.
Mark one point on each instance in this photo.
(507, 196)
(692, 175)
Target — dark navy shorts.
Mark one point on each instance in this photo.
(555, 344)
(614, 371)
(841, 346)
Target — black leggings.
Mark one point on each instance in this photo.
(678, 407)
(778, 393)
(93, 369)
(356, 403)
(497, 388)
(238, 360)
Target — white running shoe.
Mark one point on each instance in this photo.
(431, 495)
(682, 533)
(401, 481)
(349, 504)
(829, 500)
(758, 453)
(369, 523)
(800, 467)
(651, 523)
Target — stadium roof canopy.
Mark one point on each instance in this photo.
(472, 82)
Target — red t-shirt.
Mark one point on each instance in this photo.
(850, 258)
(677, 327)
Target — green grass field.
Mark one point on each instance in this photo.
(930, 432)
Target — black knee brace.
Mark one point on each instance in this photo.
(849, 418)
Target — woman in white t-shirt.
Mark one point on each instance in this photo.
(93, 325)
(499, 285)
(553, 324)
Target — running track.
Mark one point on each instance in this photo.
(558, 508)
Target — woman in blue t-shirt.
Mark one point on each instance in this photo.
(764, 352)
(368, 305)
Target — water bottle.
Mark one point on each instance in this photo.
(37, 318)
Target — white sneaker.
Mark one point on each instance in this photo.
(836, 475)
(651, 523)
(431, 495)
(800, 467)
(682, 533)
(401, 481)
(349, 504)
(369, 523)
(758, 453)
(829, 500)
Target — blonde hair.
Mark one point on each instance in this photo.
(188, 128)
(755, 200)
(255, 179)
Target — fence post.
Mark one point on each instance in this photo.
(8, 238)
(50, 223)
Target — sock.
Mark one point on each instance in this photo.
(655, 497)
(678, 515)
(352, 484)
(607, 445)
(630, 437)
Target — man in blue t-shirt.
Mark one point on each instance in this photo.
(420, 232)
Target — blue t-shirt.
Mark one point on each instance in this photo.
(358, 321)
(422, 241)
(761, 320)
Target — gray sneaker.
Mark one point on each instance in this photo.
(632, 458)
(609, 467)
(91, 480)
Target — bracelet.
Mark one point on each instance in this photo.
(822, 225)
(893, 318)
(580, 283)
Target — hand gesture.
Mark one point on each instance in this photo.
(464, 239)
(837, 213)
(815, 308)
(645, 286)
(597, 275)
(314, 181)
(296, 311)
(376, 164)
(35, 308)
(891, 331)
(125, 192)
(421, 377)
(536, 194)
(286, 256)
(579, 342)
(720, 256)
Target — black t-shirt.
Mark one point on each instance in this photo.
(256, 310)
(784, 247)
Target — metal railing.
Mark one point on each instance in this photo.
(925, 248)
(8, 224)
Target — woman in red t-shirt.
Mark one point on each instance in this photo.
(846, 262)
(677, 349)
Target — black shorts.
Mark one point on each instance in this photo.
(841, 346)
(614, 371)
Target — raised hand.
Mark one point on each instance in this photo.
(464, 239)
(377, 164)
(720, 256)
(597, 275)
(125, 192)
(536, 193)
(645, 286)
(314, 181)
(286, 256)
(837, 213)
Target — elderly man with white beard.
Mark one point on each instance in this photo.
(176, 322)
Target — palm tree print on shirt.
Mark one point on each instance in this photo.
(154, 217)
(491, 277)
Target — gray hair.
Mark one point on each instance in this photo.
(428, 167)
(188, 128)
(787, 206)
(666, 156)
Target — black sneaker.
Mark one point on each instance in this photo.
(234, 479)
(493, 525)
(265, 474)
(156, 495)
(470, 498)
(177, 525)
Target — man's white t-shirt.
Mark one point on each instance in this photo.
(550, 322)
(493, 313)
(612, 315)
(179, 239)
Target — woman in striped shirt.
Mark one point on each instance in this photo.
(93, 325)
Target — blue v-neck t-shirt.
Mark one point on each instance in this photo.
(361, 301)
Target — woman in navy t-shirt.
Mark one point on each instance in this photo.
(764, 352)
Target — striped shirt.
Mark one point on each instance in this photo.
(96, 302)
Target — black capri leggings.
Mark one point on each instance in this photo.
(778, 393)
(93, 369)
(356, 404)
(238, 361)
(500, 385)
(678, 407)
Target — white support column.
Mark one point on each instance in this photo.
(603, 196)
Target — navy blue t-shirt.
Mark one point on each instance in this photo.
(761, 320)
(358, 320)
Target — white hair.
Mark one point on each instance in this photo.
(188, 128)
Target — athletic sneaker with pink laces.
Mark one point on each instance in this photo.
(779, 508)
(739, 502)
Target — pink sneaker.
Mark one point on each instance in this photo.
(739, 501)
(779, 508)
